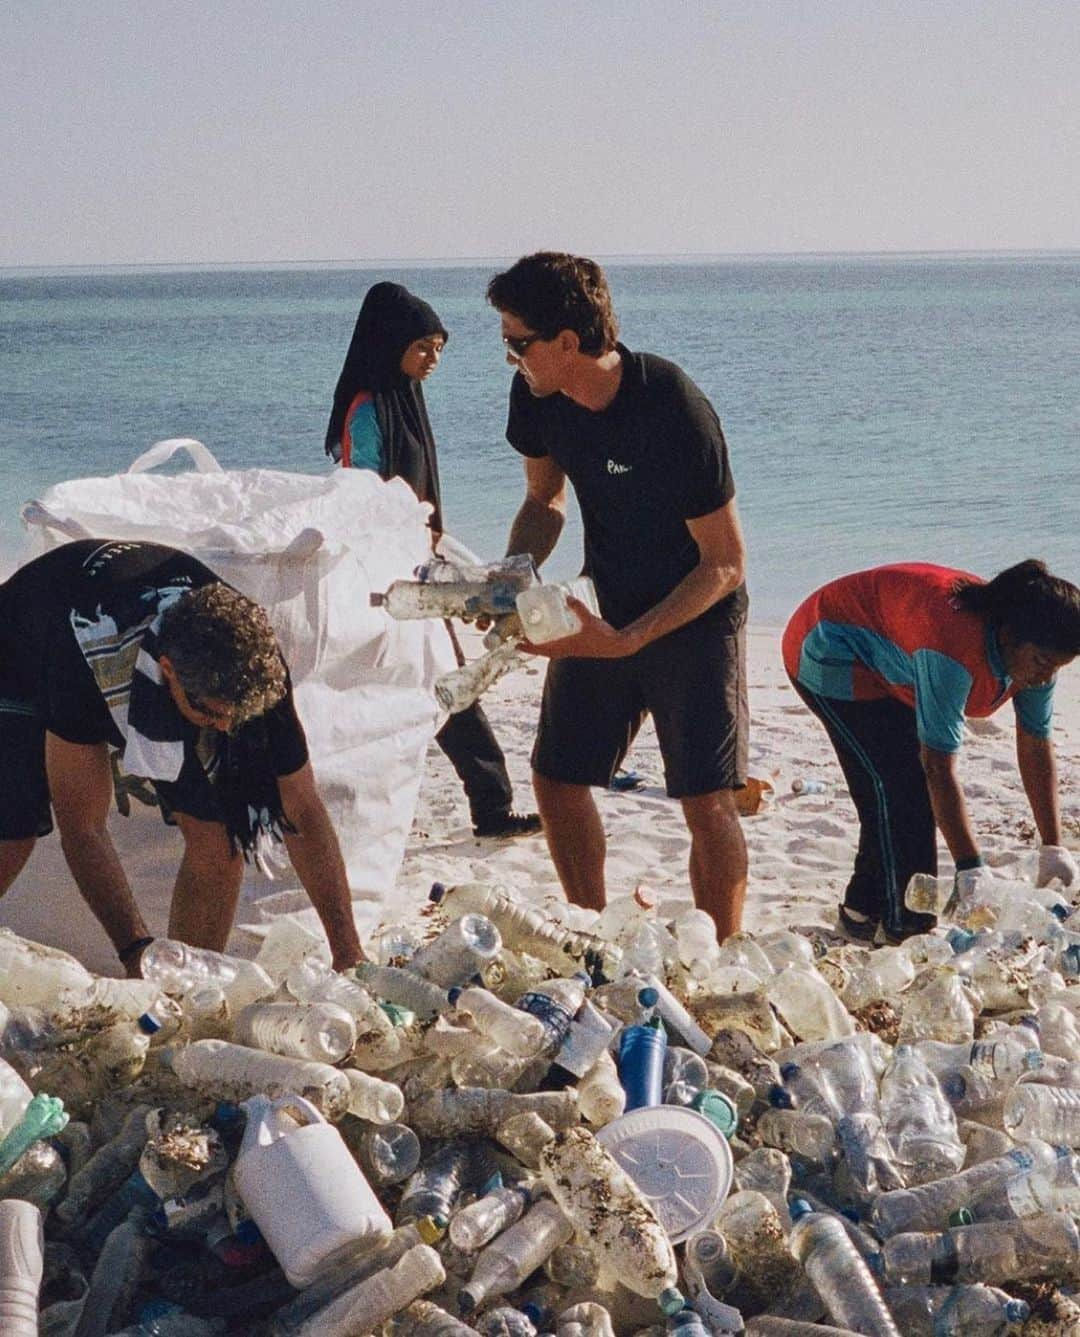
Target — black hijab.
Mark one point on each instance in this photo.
(390, 319)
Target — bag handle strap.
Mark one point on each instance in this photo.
(201, 457)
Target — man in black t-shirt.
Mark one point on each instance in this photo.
(645, 453)
(140, 647)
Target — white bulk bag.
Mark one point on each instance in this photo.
(310, 548)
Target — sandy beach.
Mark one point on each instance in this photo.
(800, 846)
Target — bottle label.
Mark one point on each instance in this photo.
(555, 1017)
(946, 1262)
(1021, 1195)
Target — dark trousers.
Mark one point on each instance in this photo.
(472, 749)
(878, 750)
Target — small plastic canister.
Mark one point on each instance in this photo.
(641, 1064)
(302, 1187)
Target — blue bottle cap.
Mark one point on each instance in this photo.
(959, 939)
(1017, 1311)
(535, 1313)
(437, 892)
(954, 1086)
(247, 1232)
(648, 997)
(226, 1116)
(780, 1097)
(790, 1069)
(798, 1208)
(149, 1024)
(454, 994)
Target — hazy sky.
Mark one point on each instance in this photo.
(144, 132)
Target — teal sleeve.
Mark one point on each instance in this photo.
(367, 445)
(942, 686)
(1034, 708)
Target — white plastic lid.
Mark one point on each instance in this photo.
(679, 1160)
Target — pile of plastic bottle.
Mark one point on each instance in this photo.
(518, 1122)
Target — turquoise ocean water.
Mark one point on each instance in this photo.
(877, 408)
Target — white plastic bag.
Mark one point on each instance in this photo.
(310, 548)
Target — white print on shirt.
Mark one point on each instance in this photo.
(615, 468)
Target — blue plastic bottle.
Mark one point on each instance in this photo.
(641, 1064)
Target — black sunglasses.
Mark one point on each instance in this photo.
(519, 345)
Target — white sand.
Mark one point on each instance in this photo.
(801, 847)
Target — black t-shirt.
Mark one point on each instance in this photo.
(40, 659)
(653, 459)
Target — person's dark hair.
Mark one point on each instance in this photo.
(1033, 605)
(552, 291)
(223, 647)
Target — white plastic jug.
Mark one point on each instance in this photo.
(303, 1189)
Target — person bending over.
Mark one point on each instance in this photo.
(140, 647)
(645, 453)
(379, 421)
(891, 661)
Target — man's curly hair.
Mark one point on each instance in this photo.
(223, 647)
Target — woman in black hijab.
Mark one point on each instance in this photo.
(379, 421)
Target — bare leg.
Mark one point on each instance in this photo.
(575, 837)
(717, 858)
(207, 885)
(13, 857)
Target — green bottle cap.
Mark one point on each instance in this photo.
(43, 1117)
(671, 1301)
(961, 1217)
(718, 1109)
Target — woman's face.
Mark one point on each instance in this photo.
(422, 357)
(1030, 665)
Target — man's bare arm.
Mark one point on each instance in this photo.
(316, 856)
(540, 520)
(80, 783)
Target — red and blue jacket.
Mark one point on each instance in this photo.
(897, 631)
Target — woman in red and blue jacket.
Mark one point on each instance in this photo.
(891, 661)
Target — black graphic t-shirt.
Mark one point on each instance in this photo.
(653, 459)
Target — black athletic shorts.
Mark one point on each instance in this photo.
(693, 683)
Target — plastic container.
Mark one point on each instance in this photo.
(521, 1035)
(304, 1191)
(641, 1064)
(545, 614)
(321, 1032)
(461, 951)
(678, 1160)
(179, 969)
(554, 1004)
(1048, 1113)
(449, 589)
(955, 1311)
(21, 1260)
(364, 1308)
(994, 1252)
(478, 1223)
(373, 1099)
(234, 1072)
(378, 1044)
(404, 987)
(457, 690)
(505, 1263)
(389, 1153)
(838, 1272)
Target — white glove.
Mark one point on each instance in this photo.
(1055, 861)
(973, 883)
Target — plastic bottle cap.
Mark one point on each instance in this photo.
(679, 1160)
(247, 1232)
(961, 1217)
(959, 939)
(780, 1097)
(1017, 1311)
(149, 1024)
(648, 997)
(437, 892)
(431, 1229)
(454, 994)
(671, 1300)
(798, 1208)
(534, 1312)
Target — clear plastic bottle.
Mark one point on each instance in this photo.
(322, 1032)
(545, 614)
(424, 1319)
(887, 973)
(457, 690)
(601, 1096)
(15, 1095)
(378, 1044)
(1048, 1113)
(452, 589)
(518, 1034)
(116, 1272)
(768, 1272)
(772, 1325)
(955, 1311)
(478, 1223)
(1004, 1059)
(373, 1099)
(21, 1260)
(113, 1057)
(106, 1169)
(683, 1065)
(766, 1170)
(31, 974)
(505, 1263)
(1050, 1187)
(437, 1184)
(610, 1212)
(472, 1110)
(811, 1137)
(554, 1004)
(389, 1153)
(527, 928)
(994, 1252)
(937, 1007)
(179, 969)
(838, 1272)
(807, 1005)
(233, 1072)
(177, 1324)
(919, 1122)
(526, 1136)
(460, 951)
(366, 1306)
(708, 1262)
(404, 987)
(286, 944)
(930, 1205)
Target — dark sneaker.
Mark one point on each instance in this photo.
(507, 825)
(854, 924)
